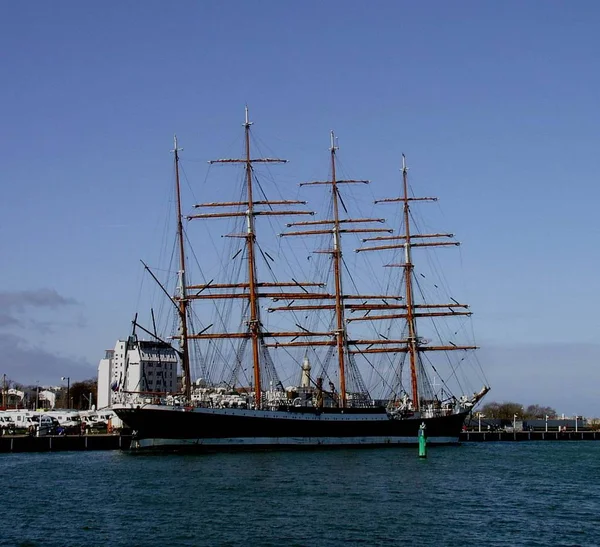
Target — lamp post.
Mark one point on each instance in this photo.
(576, 423)
(37, 395)
(480, 415)
(514, 422)
(68, 379)
(546, 423)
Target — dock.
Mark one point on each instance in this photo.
(495, 436)
(61, 443)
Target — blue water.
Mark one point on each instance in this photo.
(529, 493)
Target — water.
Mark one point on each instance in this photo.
(535, 493)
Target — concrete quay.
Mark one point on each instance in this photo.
(495, 436)
(60, 443)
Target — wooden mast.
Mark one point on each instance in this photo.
(336, 226)
(182, 297)
(408, 270)
(412, 345)
(254, 323)
(337, 258)
(251, 288)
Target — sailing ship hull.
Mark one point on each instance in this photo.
(176, 428)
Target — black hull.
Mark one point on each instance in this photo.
(169, 428)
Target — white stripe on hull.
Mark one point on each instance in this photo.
(238, 442)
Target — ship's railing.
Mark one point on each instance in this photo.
(224, 397)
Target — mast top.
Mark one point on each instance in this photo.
(175, 149)
(404, 167)
(247, 122)
(333, 146)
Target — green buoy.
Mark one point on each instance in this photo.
(422, 441)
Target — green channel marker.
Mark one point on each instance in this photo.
(422, 441)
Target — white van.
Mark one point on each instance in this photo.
(102, 419)
(66, 417)
(27, 421)
(7, 425)
(21, 419)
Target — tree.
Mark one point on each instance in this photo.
(540, 412)
(507, 411)
(84, 394)
(502, 411)
(594, 424)
(30, 397)
(61, 398)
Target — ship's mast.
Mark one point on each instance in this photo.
(340, 332)
(255, 332)
(408, 272)
(254, 323)
(336, 226)
(182, 297)
(411, 310)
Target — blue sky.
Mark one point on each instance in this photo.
(495, 105)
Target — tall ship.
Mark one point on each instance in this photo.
(309, 333)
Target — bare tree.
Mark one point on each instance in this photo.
(507, 411)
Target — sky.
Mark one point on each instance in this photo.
(494, 104)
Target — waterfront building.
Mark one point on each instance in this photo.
(136, 366)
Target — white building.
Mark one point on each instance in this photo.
(136, 367)
(49, 397)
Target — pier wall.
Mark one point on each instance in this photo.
(490, 436)
(57, 443)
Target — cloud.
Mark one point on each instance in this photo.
(18, 301)
(28, 363)
(26, 360)
(18, 309)
(7, 320)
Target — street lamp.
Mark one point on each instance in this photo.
(547, 423)
(68, 379)
(514, 422)
(480, 415)
(576, 423)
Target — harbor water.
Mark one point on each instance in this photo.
(526, 493)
